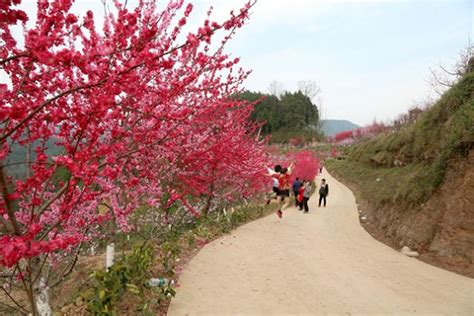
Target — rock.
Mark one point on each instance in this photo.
(65, 309)
(79, 301)
(408, 252)
(397, 163)
(363, 219)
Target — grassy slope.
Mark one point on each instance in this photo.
(444, 133)
(426, 203)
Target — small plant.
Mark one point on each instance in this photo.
(130, 273)
(191, 239)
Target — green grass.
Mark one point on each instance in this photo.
(408, 186)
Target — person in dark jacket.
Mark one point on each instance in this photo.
(323, 192)
(296, 188)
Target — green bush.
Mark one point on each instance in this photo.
(410, 185)
(131, 274)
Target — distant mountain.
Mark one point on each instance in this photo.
(332, 127)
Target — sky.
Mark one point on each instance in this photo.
(371, 58)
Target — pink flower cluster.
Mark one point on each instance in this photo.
(116, 119)
(366, 132)
(14, 248)
(306, 164)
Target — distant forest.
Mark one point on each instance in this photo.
(17, 158)
(291, 115)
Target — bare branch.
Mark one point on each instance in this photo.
(19, 306)
(6, 60)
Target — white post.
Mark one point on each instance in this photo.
(109, 258)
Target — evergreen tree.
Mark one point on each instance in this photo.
(291, 115)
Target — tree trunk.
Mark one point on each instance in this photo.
(205, 209)
(42, 298)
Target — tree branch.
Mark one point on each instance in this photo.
(45, 103)
(21, 308)
(8, 203)
(53, 198)
(6, 60)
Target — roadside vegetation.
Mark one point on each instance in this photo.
(412, 163)
(414, 181)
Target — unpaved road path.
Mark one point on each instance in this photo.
(319, 263)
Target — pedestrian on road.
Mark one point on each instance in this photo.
(275, 173)
(284, 188)
(296, 188)
(323, 192)
(300, 196)
(306, 195)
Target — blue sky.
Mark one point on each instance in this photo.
(371, 58)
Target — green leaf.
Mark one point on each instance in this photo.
(131, 286)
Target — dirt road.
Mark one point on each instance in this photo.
(323, 262)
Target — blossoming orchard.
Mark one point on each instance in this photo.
(132, 113)
(366, 132)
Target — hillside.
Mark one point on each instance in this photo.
(332, 127)
(16, 160)
(416, 186)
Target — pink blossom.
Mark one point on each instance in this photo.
(128, 117)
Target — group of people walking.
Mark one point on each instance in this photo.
(301, 189)
(302, 192)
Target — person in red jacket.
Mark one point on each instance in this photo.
(283, 191)
(275, 173)
(284, 188)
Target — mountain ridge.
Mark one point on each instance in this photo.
(331, 127)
